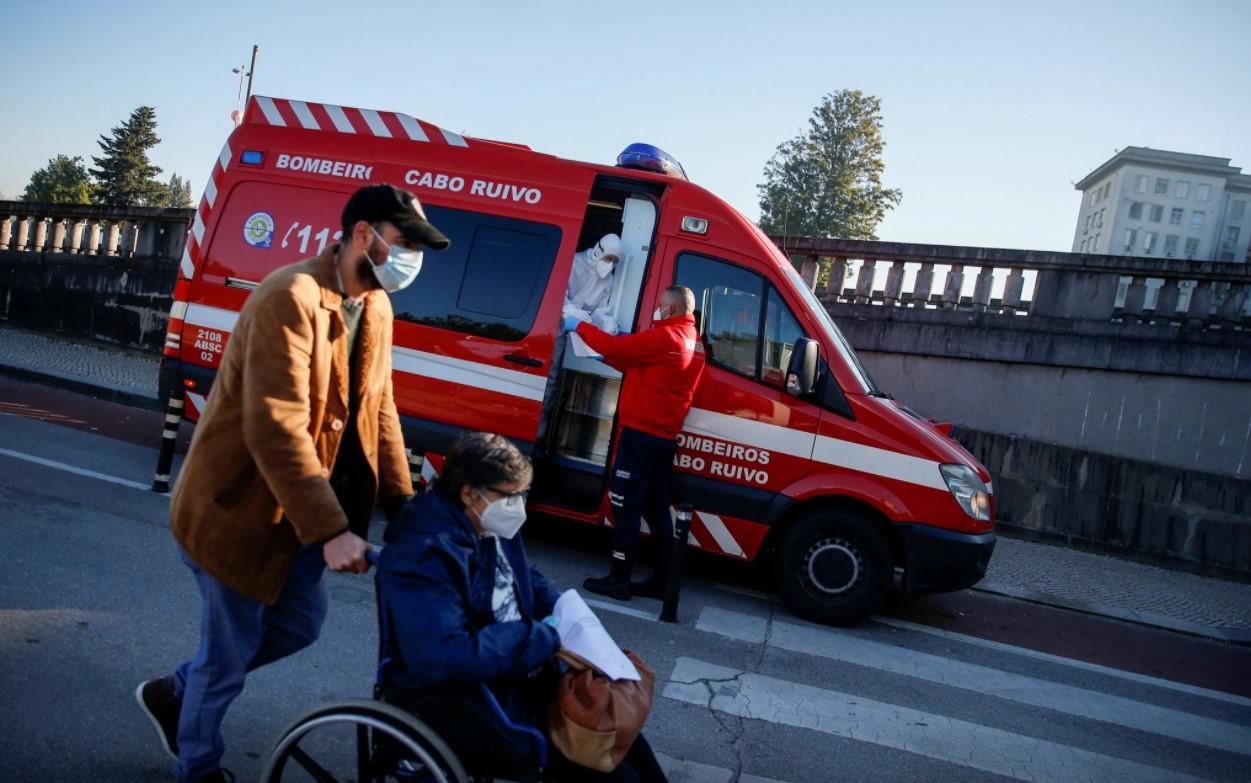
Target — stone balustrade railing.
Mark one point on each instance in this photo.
(90, 230)
(1029, 282)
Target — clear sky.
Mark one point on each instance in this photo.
(991, 110)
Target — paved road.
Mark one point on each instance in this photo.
(967, 687)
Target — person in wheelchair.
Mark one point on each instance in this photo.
(464, 642)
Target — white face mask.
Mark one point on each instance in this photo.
(503, 517)
(399, 270)
(659, 314)
(604, 268)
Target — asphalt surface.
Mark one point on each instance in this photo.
(962, 687)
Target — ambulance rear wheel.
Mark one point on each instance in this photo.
(834, 566)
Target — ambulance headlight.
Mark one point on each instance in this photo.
(968, 489)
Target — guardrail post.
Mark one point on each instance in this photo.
(673, 579)
(169, 438)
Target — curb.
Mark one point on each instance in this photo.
(82, 386)
(1239, 636)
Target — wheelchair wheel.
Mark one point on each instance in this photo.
(361, 741)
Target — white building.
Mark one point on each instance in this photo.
(1145, 202)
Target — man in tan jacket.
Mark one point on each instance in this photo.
(299, 441)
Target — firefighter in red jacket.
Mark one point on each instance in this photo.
(662, 366)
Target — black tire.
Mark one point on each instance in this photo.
(379, 722)
(834, 566)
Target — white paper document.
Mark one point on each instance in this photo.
(580, 348)
(583, 634)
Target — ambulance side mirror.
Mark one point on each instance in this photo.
(801, 372)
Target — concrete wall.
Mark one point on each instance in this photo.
(1112, 405)
(90, 272)
(1082, 496)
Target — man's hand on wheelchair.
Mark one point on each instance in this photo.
(346, 553)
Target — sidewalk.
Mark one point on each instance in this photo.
(1041, 573)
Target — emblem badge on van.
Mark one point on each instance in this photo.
(258, 229)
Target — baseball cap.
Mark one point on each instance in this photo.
(398, 207)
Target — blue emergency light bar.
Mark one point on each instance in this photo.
(648, 157)
(252, 157)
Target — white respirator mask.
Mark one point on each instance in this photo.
(503, 517)
(399, 270)
(604, 268)
(658, 314)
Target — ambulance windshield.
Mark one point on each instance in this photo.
(831, 329)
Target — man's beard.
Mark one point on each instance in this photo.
(364, 275)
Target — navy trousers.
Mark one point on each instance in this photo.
(239, 634)
(641, 475)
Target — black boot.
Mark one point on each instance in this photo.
(616, 584)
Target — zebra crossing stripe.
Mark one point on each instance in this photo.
(1145, 679)
(934, 736)
(683, 771)
(1009, 686)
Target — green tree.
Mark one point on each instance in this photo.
(827, 181)
(179, 192)
(124, 175)
(63, 181)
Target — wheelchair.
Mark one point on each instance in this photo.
(374, 741)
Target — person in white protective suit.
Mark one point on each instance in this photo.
(590, 284)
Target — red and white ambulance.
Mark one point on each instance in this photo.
(790, 455)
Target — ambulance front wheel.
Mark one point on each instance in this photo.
(834, 566)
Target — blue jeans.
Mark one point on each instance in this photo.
(239, 634)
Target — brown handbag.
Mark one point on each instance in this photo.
(594, 720)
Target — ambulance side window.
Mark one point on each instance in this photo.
(781, 330)
(737, 335)
(727, 310)
(488, 283)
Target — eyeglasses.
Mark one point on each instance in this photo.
(509, 497)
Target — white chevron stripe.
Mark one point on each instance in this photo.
(270, 111)
(197, 229)
(412, 128)
(720, 533)
(340, 120)
(224, 157)
(210, 192)
(455, 139)
(375, 123)
(304, 115)
(186, 267)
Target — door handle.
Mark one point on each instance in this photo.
(526, 360)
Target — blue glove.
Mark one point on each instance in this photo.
(571, 323)
(551, 620)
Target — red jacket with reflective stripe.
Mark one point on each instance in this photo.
(662, 366)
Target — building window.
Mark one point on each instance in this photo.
(1089, 219)
(1231, 234)
(1175, 216)
(1140, 184)
(1203, 191)
(1183, 188)
(1099, 220)
(1135, 210)
(1095, 247)
(1148, 242)
(1192, 247)
(1161, 185)
(1196, 218)
(1170, 245)
(1237, 210)
(1157, 213)
(1227, 257)
(1131, 237)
